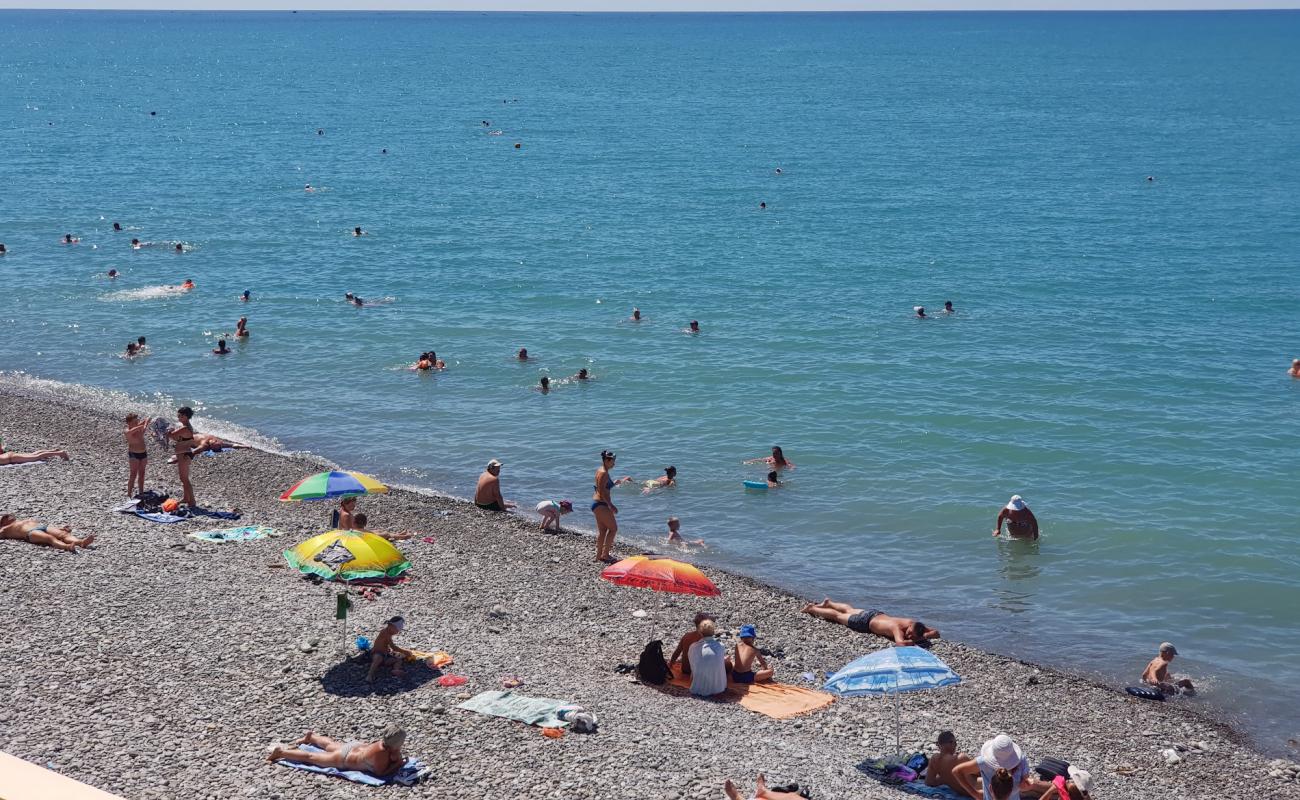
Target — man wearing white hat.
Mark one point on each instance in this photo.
(998, 753)
(1021, 522)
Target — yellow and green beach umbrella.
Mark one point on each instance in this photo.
(332, 485)
(348, 556)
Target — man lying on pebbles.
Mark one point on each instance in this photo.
(898, 629)
(31, 530)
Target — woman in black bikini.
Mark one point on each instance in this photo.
(183, 435)
(603, 507)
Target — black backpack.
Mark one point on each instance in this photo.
(652, 668)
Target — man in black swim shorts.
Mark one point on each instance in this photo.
(900, 630)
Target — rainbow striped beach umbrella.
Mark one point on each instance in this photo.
(348, 556)
(332, 485)
(660, 574)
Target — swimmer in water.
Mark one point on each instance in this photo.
(180, 248)
(2, 249)
(353, 299)
(112, 273)
(117, 227)
(675, 536)
(636, 315)
(1151, 179)
(384, 151)
(582, 375)
(518, 145)
(777, 460)
(187, 286)
(358, 232)
(947, 307)
(1294, 372)
(241, 328)
(773, 481)
(695, 327)
(669, 478)
(544, 385)
(135, 244)
(220, 349)
(1021, 522)
(308, 188)
(522, 355)
(778, 170)
(425, 362)
(920, 312)
(132, 349)
(320, 131)
(762, 206)
(437, 362)
(69, 239)
(246, 296)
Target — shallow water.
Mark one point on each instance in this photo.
(1117, 357)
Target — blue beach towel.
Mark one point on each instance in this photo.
(161, 517)
(882, 770)
(539, 711)
(244, 534)
(411, 773)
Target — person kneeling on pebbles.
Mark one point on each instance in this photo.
(33, 532)
(386, 650)
(381, 758)
(551, 510)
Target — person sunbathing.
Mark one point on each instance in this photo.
(204, 442)
(360, 520)
(684, 646)
(939, 771)
(382, 758)
(32, 531)
(7, 458)
(761, 792)
(386, 650)
(742, 663)
(900, 630)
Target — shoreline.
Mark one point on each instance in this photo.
(563, 630)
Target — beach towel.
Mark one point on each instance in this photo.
(23, 464)
(775, 700)
(410, 774)
(207, 512)
(436, 660)
(539, 711)
(161, 517)
(244, 534)
(882, 769)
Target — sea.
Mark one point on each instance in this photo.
(1111, 202)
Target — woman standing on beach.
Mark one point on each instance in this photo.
(603, 507)
(183, 435)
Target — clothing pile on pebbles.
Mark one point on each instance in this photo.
(156, 666)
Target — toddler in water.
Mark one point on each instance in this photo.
(551, 510)
(675, 536)
(136, 452)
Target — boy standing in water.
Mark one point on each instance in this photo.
(136, 452)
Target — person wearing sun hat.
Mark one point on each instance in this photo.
(1157, 672)
(746, 655)
(1001, 761)
(1021, 522)
(1076, 785)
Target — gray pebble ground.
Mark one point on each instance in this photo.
(155, 666)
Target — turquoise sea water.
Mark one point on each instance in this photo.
(1118, 356)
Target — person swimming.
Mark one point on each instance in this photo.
(117, 227)
(522, 355)
(246, 296)
(920, 312)
(241, 328)
(112, 273)
(132, 349)
(582, 375)
(180, 248)
(358, 232)
(140, 342)
(2, 249)
(695, 327)
(1294, 372)
(669, 478)
(773, 481)
(778, 170)
(70, 239)
(135, 244)
(777, 460)
(187, 285)
(544, 385)
(437, 362)
(354, 299)
(424, 363)
(308, 188)
(762, 205)
(636, 315)
(947, 307)
(220, 349)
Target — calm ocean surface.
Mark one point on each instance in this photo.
(1118, 356)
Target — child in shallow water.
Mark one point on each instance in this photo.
(675, 536)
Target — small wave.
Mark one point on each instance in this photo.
(143, 293)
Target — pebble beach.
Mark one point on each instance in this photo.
(153, 665)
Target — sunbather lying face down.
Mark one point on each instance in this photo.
(899, 630)
(381, 758)
(31, 530)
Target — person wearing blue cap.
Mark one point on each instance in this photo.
(742, 664)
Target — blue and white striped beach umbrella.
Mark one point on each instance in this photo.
(892, 671)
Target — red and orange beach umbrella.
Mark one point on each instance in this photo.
(660, 574)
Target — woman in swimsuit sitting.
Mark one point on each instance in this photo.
(381, 759)
(184, 438)
(27, 458)
(31, 530)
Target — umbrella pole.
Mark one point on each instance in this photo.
(898, 725)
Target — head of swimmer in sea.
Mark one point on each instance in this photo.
(67, 238)
(582, 374)
(242, 322)
(185, 414)
(117, 226)
(607, 458)
(670, 473)
(135, 242)
(112, 273)
(132, 348)
(772, 477)
(695, 325)
(2, 247)
(947, 305)
(246, 295)
(636, 313)
(221, 344)
(673, 524)
(522, 355)
(140, 340)
(544, 383)
(778, 457)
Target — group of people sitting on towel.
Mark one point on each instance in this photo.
(700, 655)
(1000, 772)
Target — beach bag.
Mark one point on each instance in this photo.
(1049, 768)
(652, 668)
